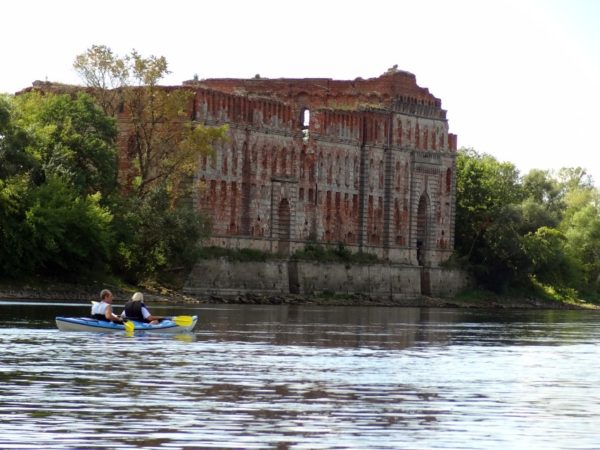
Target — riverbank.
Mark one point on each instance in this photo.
(159, 294)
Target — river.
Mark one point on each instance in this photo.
(304, 377)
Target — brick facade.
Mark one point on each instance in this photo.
(367, 163)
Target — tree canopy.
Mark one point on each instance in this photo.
(542, 227)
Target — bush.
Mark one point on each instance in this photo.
(317, 252)
(245, 254)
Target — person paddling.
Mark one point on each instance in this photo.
(102, 310)
(135, 309)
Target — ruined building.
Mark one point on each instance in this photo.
(367, 163)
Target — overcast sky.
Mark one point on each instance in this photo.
(520, 79)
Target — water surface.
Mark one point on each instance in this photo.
(303, 377)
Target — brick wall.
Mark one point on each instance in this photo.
(368, 163)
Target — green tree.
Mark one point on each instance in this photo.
(67, 234)
(488, 219)
(13, 192)
(155, 237)
(69, 137)
(484, 186)
(583, 245)
(549, 260)
(14, 160)
(544, 202)
(57, 156)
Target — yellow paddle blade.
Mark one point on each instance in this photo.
(183, 321)
(129, 326)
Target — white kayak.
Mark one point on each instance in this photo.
(177, 324)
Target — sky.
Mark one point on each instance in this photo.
(520, 79)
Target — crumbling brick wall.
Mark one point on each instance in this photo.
(367, 163)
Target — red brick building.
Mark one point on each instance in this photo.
(367, 163)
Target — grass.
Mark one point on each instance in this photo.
(316, 252)
(245, 254)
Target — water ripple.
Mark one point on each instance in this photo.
(395, 381)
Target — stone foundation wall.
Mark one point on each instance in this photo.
(224, 278)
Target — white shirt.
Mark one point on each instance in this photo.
(99, 308)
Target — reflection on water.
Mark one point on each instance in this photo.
(303, 378)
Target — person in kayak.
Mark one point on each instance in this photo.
(103, 310)
(135, 309)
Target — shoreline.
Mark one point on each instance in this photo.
(77, 293)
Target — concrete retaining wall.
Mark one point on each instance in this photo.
(220, 277)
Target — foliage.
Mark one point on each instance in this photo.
(543, 228)
(12, 214)
(486, 219)
(583, 245)
(61, 213)
(57, 158)
(14, 159)
(69, 234)
(105, 73)
(484, 187)
(317, 252)
(152, 236)
(244, 254)
(69, 138)
(163, 144)
(549, 261)
(52, 230)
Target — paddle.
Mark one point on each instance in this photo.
(129, 327)
(183, 321)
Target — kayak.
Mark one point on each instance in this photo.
(103, 326)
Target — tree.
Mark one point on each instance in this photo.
(14, 160)
(163, 142)
(550, 262)
(488, 219)
(583, 245)
(69, 137)
(13, 192)
(484, 186)
(156, 231)
(153, 236)
(544, 201)
(67, 234)
(575, 177)
(58, 159)
(105, 73)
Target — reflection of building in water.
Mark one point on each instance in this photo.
(367, 163)
(348, 327)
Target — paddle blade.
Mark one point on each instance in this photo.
(129, 327)
(183, 321)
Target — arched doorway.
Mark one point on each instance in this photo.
(422, 228)
(284, 228)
